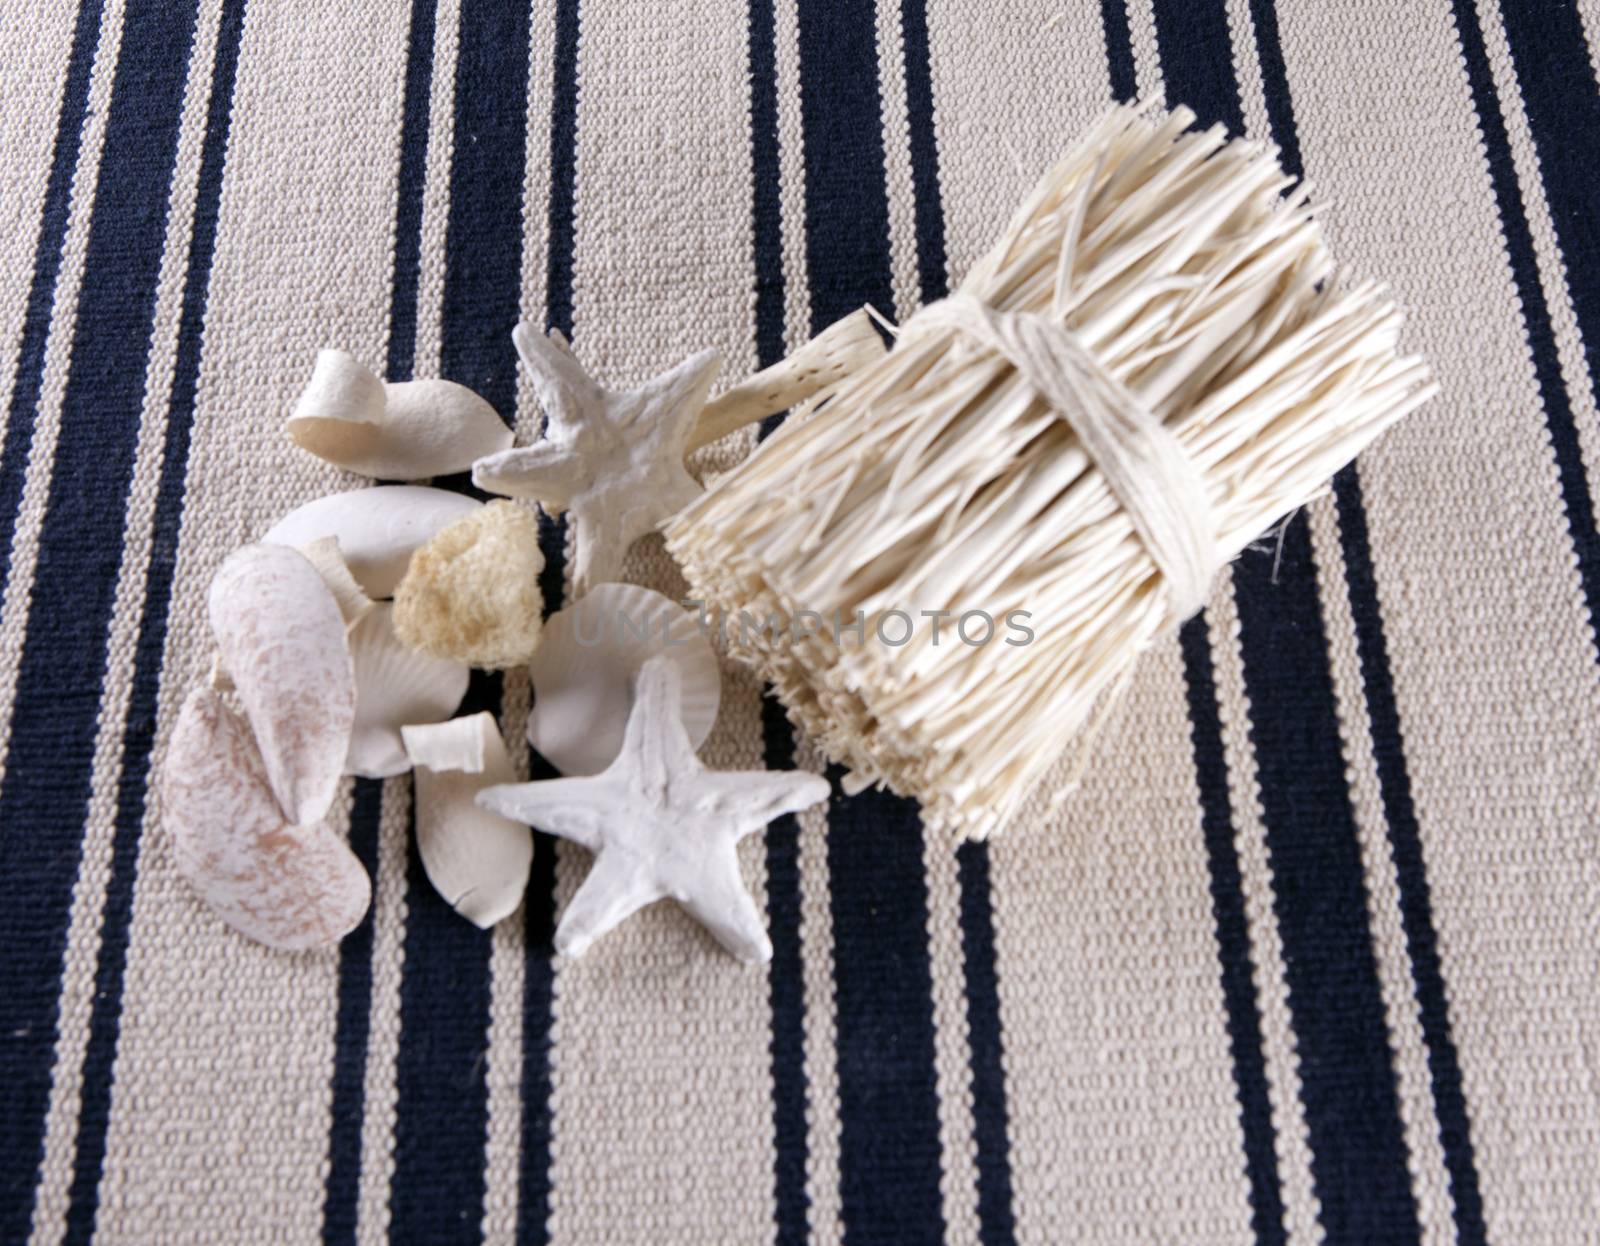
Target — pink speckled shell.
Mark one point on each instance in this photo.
(287, 886)
(282, 640)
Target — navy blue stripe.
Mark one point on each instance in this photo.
(412, 181)
(1240, 1005)
(1563, 110)
(1239, 1002)
(29, 376)
(94, 1111)
(1394, 780)
(786, 975)
(62, 670)
(442, 1109)
(539, 913)
(353, 1027)
(351, 1032)
(990, 1113)
(1359, 1159)
(1119, 49)
(888, 1100)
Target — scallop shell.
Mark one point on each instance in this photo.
(378, 528)
(584, 669)
(288, 886)
(395, 686)
(477, 860)
(282, 642)
(408, 430)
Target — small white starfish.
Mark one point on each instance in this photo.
(614, 458)
(660, 824)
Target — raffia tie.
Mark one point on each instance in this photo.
(1143, 464)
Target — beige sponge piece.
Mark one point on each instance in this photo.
(472, 592)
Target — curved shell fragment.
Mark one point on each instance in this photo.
(282, 641)
(395, 685)
(477, 860)
(324, 554)
(285, 885)
(405, 430)
(378, 528)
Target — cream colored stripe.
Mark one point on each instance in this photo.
(656, 1027)
(1546, 248)
(1146, 49)
(825, 1206)
(220, 1106)
(380, 1102)
(24, 553)
(89, 894)
(1490, 646)
(1123, 1108)
(1419, 1117)
(1301, 1210)
(897, 161)
(33, 67)
(508, 950)
(1589, 14)
(1123, 1105)
(791, 171)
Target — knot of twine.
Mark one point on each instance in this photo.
(1145, 467)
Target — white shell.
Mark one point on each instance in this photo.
(284, 885)
(584, 669)
(477, 860)
(395, 686)
(325, 556)
(282, 641)
(378, 528)
(408, 430)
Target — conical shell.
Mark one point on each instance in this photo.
(282, 641)
(395, 686)
(378, 528)
(584, 670)
(284, 885)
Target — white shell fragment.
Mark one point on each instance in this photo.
(845, 346)
(614, 458)
(282, 641)
(395, 686)
(584, 671)
(284, 885)
(378, 528)
(406, 430)
(660, 824)
(354, 604)
(477, 860)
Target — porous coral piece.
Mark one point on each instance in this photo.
(472, 592)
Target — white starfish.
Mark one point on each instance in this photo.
(614, 458)
(660, 824)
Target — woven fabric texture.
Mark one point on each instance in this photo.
(1314, 955)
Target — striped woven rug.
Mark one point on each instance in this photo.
(1315, 954)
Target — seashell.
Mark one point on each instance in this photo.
(471, 594)
(395, 685)
(477, 860)
(584, 670)
(407, 430)
(378, 528)
(284, 885)
(353, 602)
(282, 642)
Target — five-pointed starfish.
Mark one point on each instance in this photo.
(614, 458)
(660, 824)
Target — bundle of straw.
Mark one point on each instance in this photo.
(1152, 367)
